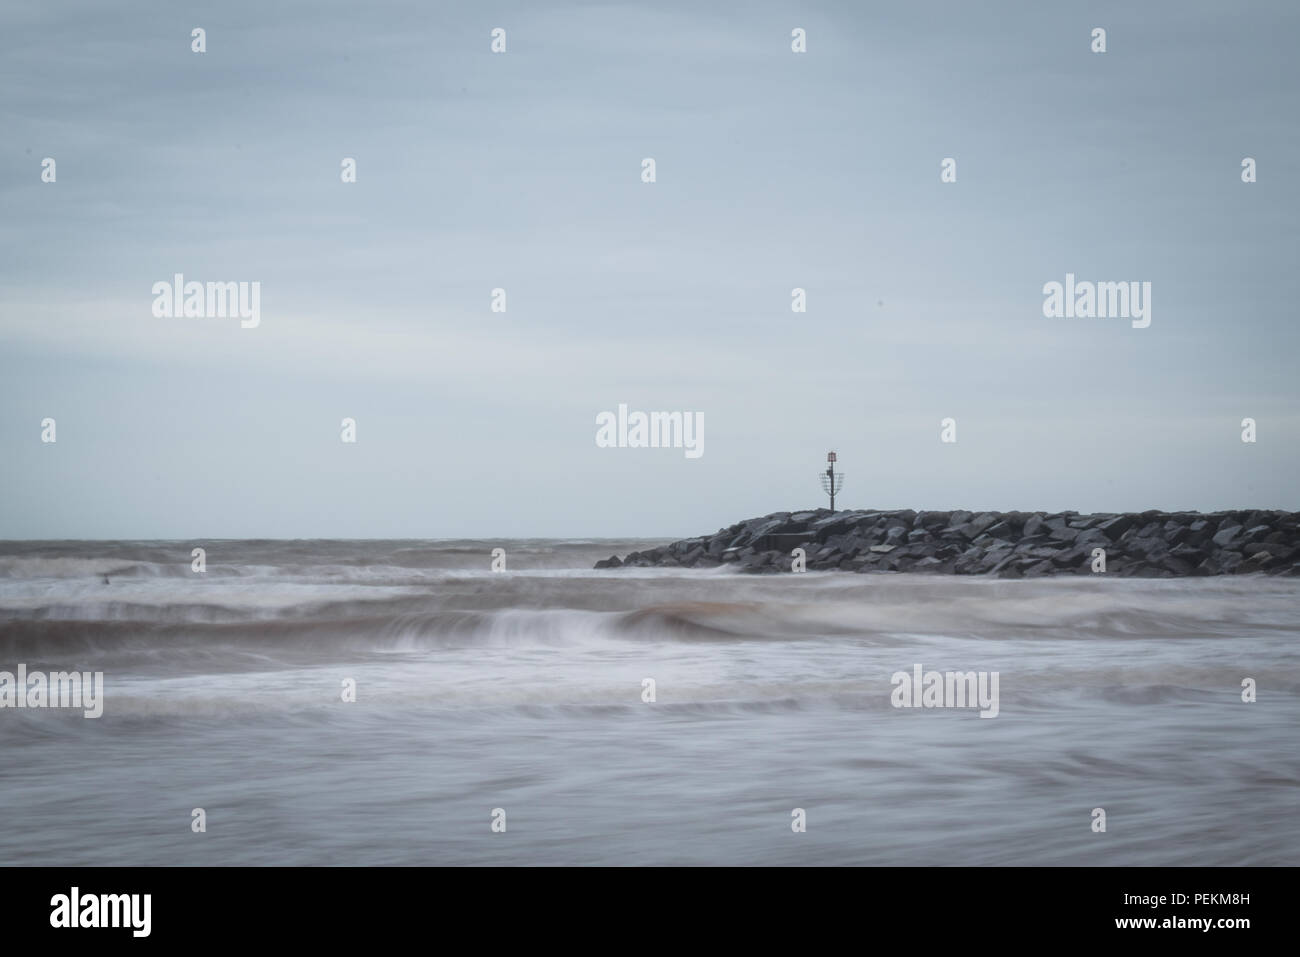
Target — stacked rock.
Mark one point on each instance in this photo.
(1004, 544)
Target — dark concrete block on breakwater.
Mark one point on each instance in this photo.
(1005, 544)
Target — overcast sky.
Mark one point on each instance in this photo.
(522, 170)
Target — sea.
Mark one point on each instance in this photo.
(403, 703)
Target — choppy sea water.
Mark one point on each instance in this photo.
(523, 691)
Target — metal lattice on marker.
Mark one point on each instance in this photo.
(832, 481)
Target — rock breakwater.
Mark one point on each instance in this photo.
(1003, 544)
